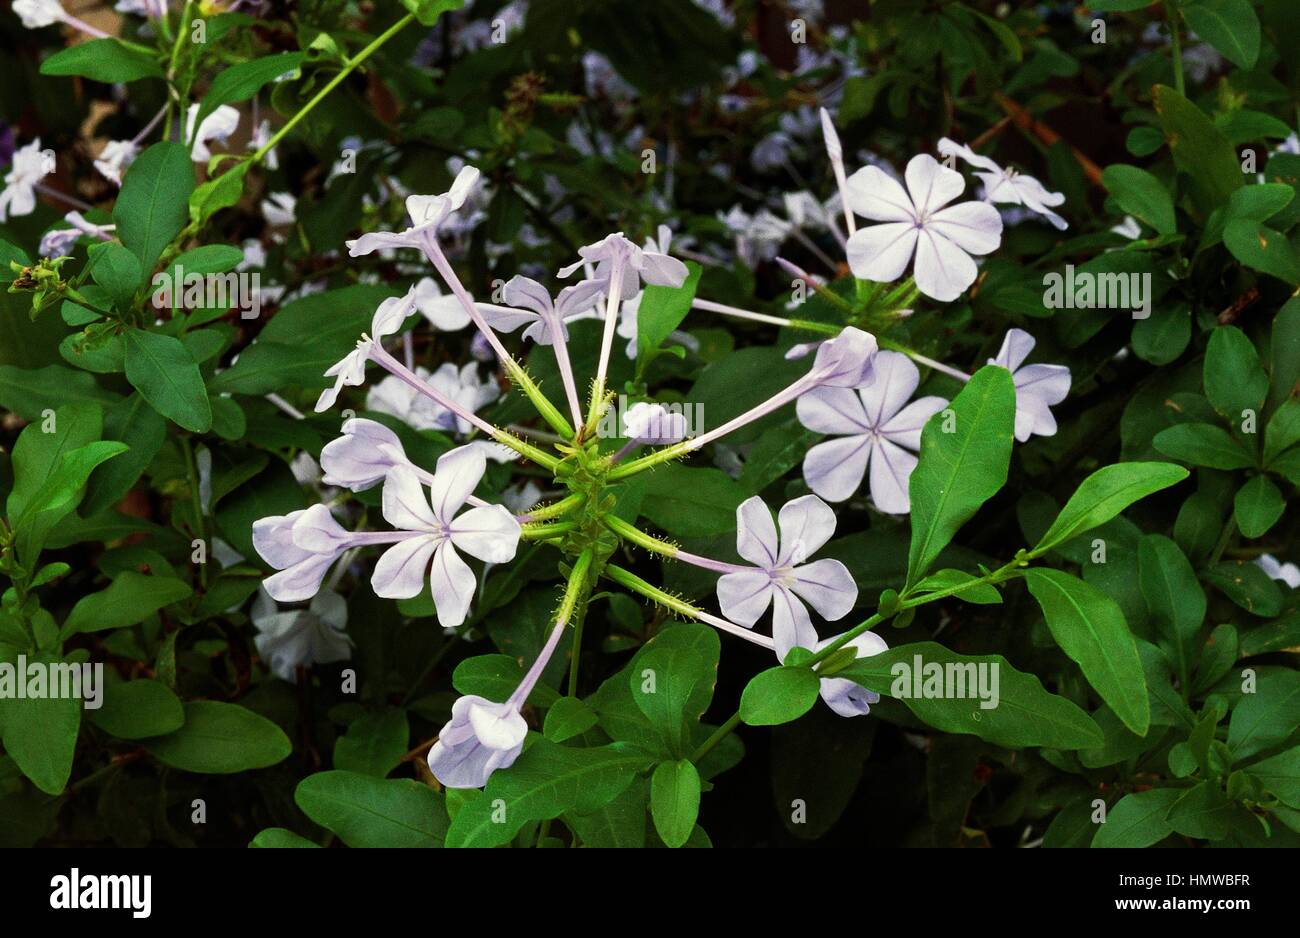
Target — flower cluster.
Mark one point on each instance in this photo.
(857, 394)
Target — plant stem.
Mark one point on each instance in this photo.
(333, 83)
(1176, 47)
(716, 737)
(572, 593)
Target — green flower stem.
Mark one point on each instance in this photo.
(333, 83)
(662, 455)
(526, 450)
(631, 581)
(575, 590)
(540, 531)
(637, 536)
(556, 509)
(549, 412)
(192, 471)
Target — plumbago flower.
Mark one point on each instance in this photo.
(780, 577)
(26, 173)
(1038, 387)
(874, 430)
(1007, 186)
(436, 518)
(297, 638)
(918, 229)
(433, 531)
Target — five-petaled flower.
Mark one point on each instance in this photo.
(781, 577)
(1008, 187)
(433, 531)
(350, 370)
(874, 430)
(1038, 387)
(427, 213)
(916, 223)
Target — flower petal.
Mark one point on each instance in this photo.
(827, 586)
(806, 524)
(454, 481)
(975, 227)
(942, 269)
(931, 184)
(404, 504)
(489, 532)
(744, 597)
(756, 533)
(832, 410)
(891, 468)
(791, 624)
(834, 469)
(905, 427)
(896, 381)
(873, 194)
(400, 572)
(452, 583)
(881, 252)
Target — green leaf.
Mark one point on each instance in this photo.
(662, 310)
(496, 677)
(220, 739)
(1247, 585)
(117, 270)
(166, 375)
(1173, 595)
(1235, 381)
(59, 496)
(240, 82)
(672, 679)
(1266, 717)
(138, 709)
(143, 430)
(692, 502)
(1281, 775)
(278, 837)
(568, 717)
(961, 470)
(1283, 430)
(104, 60)
(1200, 150)
(779, 695)
(1105, 494)
(1141, 195)
(1201, 811)
(428, 11)
(1090, 628)
(1202, 444)
(132, 597)
(546, 781)
(1138, 819)
(1229, 25)
(1258, 505)
(1024, 715)
(40, 733)
(374, 743)
(1261, 248)
(37, 454)
(217, 193)
(365, 811)
(675, 800)
(150, 210)
(976, 591)
(30, 391)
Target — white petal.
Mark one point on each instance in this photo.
(827, 586)
(497, 727)
(931, 184)
(489, 532)
(905, 427)
(744, 596)
(528, 293)
(942, 269)
(806, 524)
(455, 479)
(891, 468)
(1049, 383)
(400, 572)
(404, 504)
(756, 533)
(881, 252)
(299, 582)
(663, 270)
(452, 583)
(873, 194)
(791, 624)
(834, 469)
(1016, 346)
(896, 381)
(975, 227)
(832, 410)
